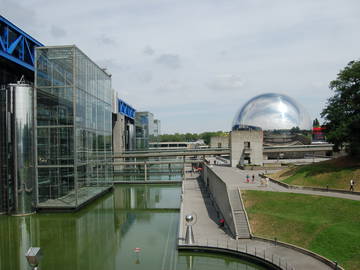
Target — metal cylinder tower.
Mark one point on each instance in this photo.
(21, 148)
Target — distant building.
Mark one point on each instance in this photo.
(219, 141)
(123, 125)
(157, 127)
(277, 123)
(318, 135)
(146, 127)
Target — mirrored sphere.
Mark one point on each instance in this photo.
(271, 111)
(189, 218)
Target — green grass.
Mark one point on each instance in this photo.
(335, 174)
(327, 226)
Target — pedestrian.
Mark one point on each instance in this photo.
(222, 223)
(253, 178)
(262, 182)
(267, 181)
(247, 178)
(352, 184)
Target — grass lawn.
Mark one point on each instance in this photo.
(327, 226)
(334, 173)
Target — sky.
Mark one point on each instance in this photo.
(194, 63)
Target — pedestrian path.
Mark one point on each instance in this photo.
(207, 233)
(236, 178)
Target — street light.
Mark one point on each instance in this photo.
(189, 235)
(33, 256)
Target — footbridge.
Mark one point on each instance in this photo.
(173, 153)
(220, 151)
(299, 148)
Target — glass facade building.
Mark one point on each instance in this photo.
(73, 126)
(144, 123)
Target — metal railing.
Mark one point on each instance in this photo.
(172, 150)
(263, 254)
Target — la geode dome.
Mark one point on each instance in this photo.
(271, 111)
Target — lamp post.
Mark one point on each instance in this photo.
(33, 256)
(189, 236)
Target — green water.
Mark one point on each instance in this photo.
(105, 234)
(155, 172)
(140, 177)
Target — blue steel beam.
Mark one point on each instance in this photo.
(16, 45)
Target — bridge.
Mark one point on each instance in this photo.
(173, 153)
(146, 169)
(221, 151)
(299, 148)
(17, 46)
(187, 161)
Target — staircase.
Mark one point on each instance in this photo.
(241, 224)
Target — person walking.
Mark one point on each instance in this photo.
(221, 223)
(247, 178)
(253, 178)
(352, 184)
(267, 181)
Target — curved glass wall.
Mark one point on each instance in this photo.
(74, 131)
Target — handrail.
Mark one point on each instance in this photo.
(232, 246)
(246, 215)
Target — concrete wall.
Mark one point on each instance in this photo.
(119, 133)
(118, 137)
(219, 142)
(238, 151)
(219, 194)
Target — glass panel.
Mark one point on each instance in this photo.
(55, 146)
(53, 109)
(65, 75)
(56, 187)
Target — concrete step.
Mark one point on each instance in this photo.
(242, 226)
(235, 200)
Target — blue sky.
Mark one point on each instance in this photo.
(194, 63)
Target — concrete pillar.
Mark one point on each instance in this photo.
(246, 143)
(145, 171)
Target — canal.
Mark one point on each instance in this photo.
(133, 227)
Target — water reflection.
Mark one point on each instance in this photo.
(133, 228)
(202, 261)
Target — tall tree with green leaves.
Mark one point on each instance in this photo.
(342, 112)
(316, 123)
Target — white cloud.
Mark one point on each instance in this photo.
(169, 60)
(148, 50)
(225, 82)
(57, 32)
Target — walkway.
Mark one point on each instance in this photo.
(208, 234)
(235, 178)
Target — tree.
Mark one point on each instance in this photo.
(342, 112)
(189, 137)
(316, 123)
(294, 130)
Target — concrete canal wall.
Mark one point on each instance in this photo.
(219, 195)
